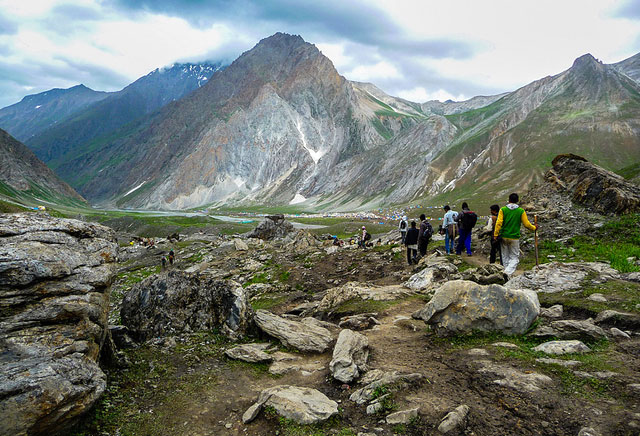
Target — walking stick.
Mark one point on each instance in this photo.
(535, 232)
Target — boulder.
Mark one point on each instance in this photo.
(402, 416)
(592, 186)
(554, 311)
(181, 302)
(341, 294)
(461, 306)
(454, 419)
(272, 227)
(253, 353)
(362, 321)
(349, 356)
(557, 277)
(562, 347)
(302, 405)
(570, 329)
(55, 276)
(393, 380)
(486, 274)
(615, 317)
(240, 245)
(305, 335)
(438, 270)
(513, 378)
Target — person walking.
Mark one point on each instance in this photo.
(172, 256)
(364, 237)
(450, 228)
(491, 228)
(508, 224)
(411, 242)
(424, 235)
(467, 221)
(403, 227)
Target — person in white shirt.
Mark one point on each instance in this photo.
(451, 228)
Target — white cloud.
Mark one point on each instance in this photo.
(421, 95)
(368, 73)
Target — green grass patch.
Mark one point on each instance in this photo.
(621, 295)
(267, 303)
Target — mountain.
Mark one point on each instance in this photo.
(24, 176)
(37, 112)
(75, 134)
(630, 67)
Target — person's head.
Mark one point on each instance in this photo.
(494, 209)
(513, 198)
(422, 217)
(447, 208)
(465, 205)
(404, 218)
(413, 224)
(364, 228)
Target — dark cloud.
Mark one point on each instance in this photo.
(630, 10)
(7, 27)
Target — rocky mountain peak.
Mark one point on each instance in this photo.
(587, 64)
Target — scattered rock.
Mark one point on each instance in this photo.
(240, 245)
(341, 294)
(177, 302)
(565, 363)
(562, 347)
(392, 380)
(454, 420)
(597, 297)
(305, 335)
(272, 227)
(486, 274)
(634, 386)
(554, 311)
(304, 308)
(55, 276)
(302, 405)
(363, 321)
(462, 307)
(286, 362)
(402, 416)
(438, 270)
(617, 333)
(588, 431)
(250, 353)
(570, 329)
(332, 249)
(613, 316)
(477, 352)
(349, 356)
(505, 345)
(557, 277)
(511, 377)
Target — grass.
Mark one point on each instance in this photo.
(288, 427)
(267, 303)
(621, 295)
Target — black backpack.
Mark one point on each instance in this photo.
(428, 231)
(367, 236)
(403, 225)
(469, 220)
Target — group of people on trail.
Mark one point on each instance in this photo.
(503, 227)
(172, 257)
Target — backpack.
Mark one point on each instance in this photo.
(469, 220)
(403, 225)
(367, 236)
(428, 231)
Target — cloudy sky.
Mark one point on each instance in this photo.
(416, 49)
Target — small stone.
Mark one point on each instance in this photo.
(554, 311)
(228, 425)
(454, 419)
(634, 386)
(565, 363)
(402, 417)
(478, 352)
(505, 345)
(562, 347)
(617, 333)
(597, 297)
(588, 431)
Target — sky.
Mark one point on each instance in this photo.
(416, 49)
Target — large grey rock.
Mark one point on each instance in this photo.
(250, 353)
(178, 302)
(562, 347)
(305, 335)
(438, 270)
(302, 405)
(54, 298)
(349, 356)
(454, 419)
(461, 307)
(570, 329)
(393, 380)
(557, 277)
(272, 227)
(341, 294)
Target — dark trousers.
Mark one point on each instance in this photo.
(411, 255)
(464, 240)
(403, 235)
(422, 246)
(495, 250)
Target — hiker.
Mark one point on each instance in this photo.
(490, 229)
(164, 262)
(411, 242)
(403, 227)
(424, 235)
(450, 228)
(172, 256)
(466, 221)
(508, 224)
(364, 237)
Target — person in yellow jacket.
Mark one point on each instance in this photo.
(507, 228)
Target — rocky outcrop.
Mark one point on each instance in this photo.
(341, 294)
(454, 419)
(253, 353)
(302, 405)
(562, 347)
(349, 356)
(55, 276)
(556, 277)
(592, 186)
(179, 302)
(272, 227)
(571, 329)
(486, 274)
(462, 307)
(305, 335)
(393, 381)
(438, 270)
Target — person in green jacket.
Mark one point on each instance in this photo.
(508, 224)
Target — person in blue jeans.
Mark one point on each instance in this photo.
(450, 228)
(465, 233)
